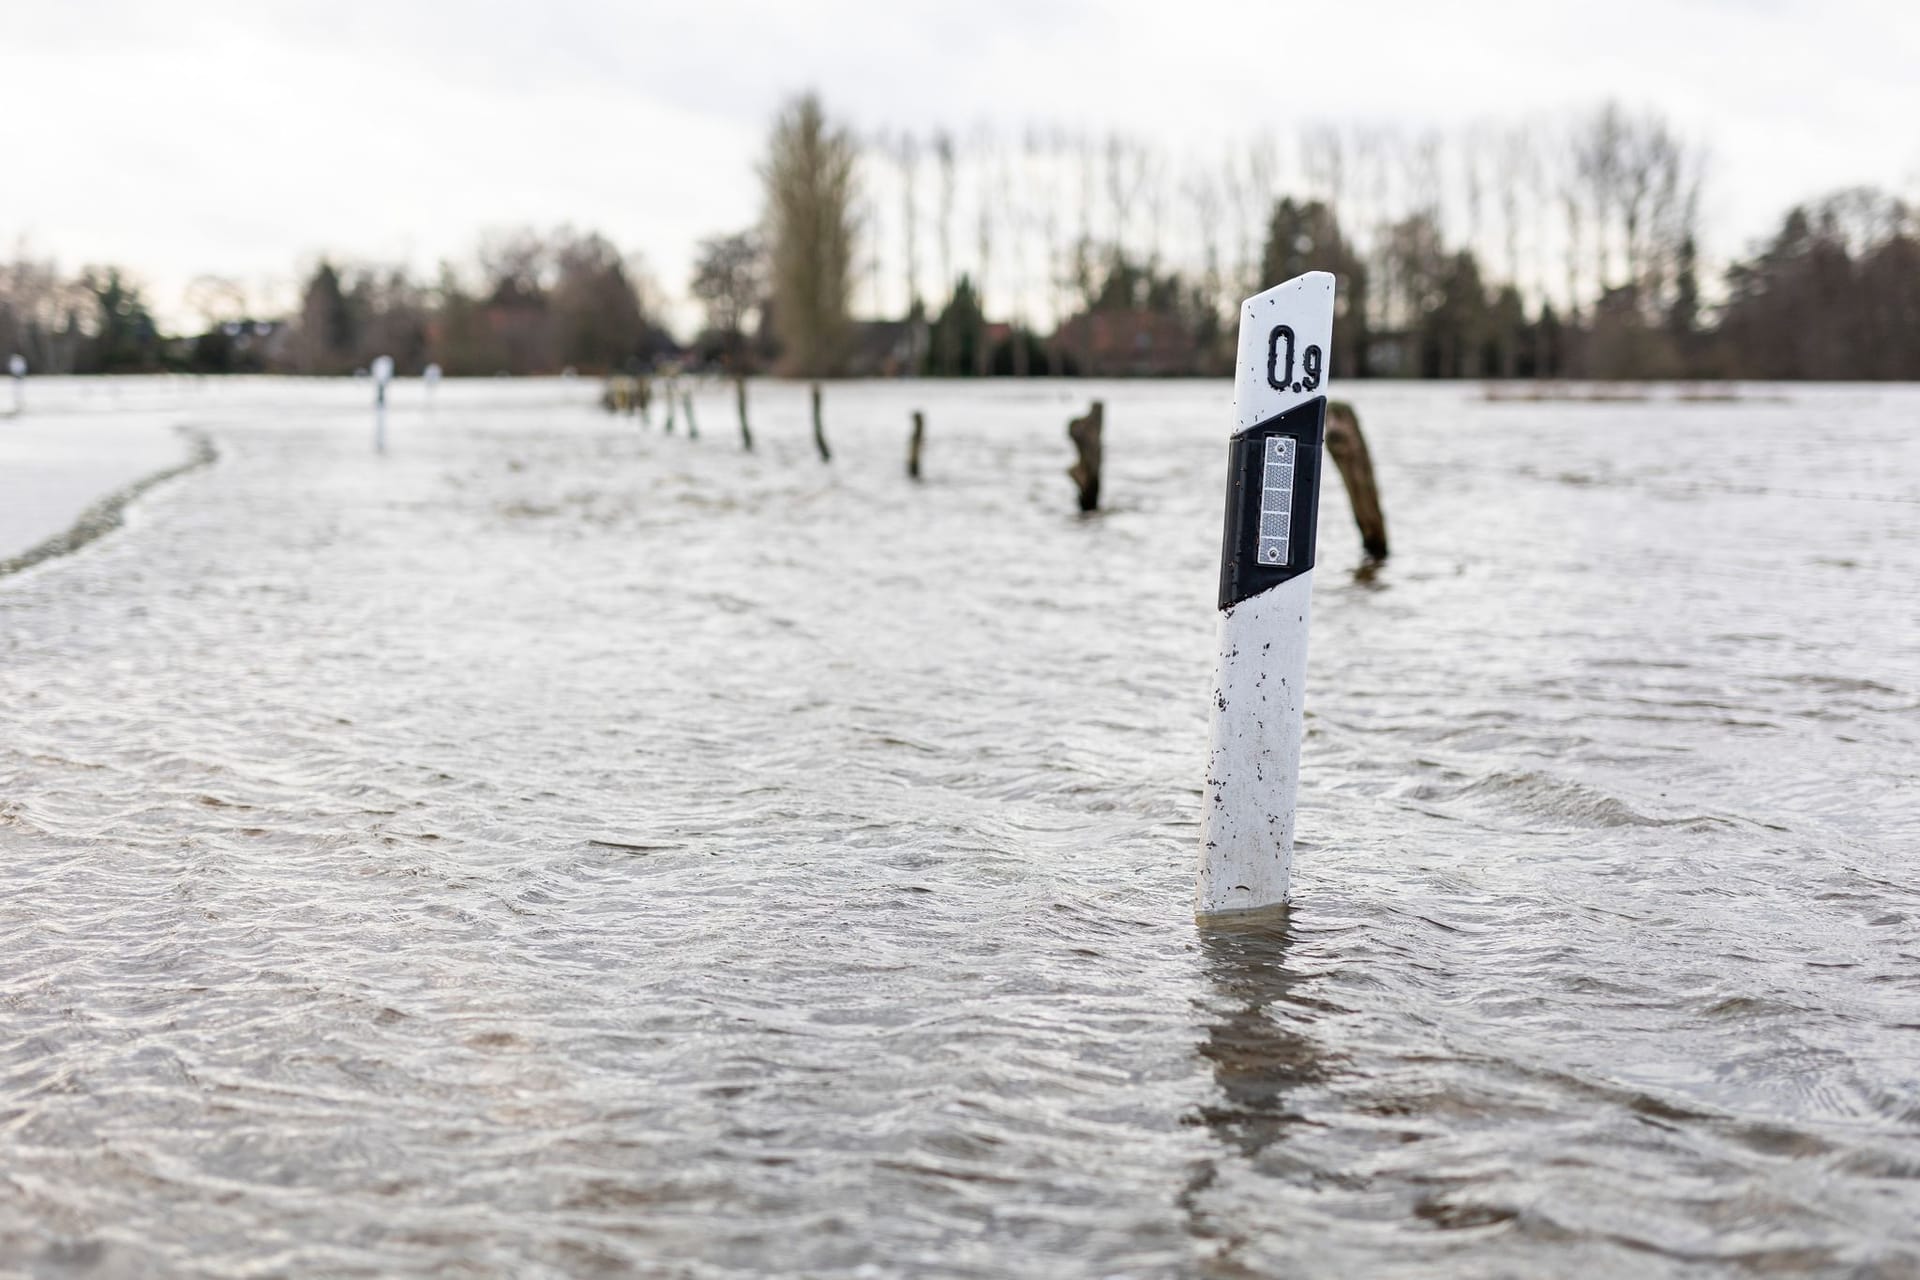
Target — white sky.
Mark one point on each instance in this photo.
(247, 138)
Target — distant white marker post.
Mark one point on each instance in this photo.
(17, 370)
(431, 376)
(1266, 590)
(382, 375)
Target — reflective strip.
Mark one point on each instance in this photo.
(1276, 500)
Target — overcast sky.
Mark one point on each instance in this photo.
(246, 139)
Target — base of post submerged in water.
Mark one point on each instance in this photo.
(1266, 596)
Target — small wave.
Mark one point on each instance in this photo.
(1563, 803)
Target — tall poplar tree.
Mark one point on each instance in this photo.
(809, 175)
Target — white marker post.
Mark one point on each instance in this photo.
(17, 368)
(382, 375)
(431, 376)
(1266, 590)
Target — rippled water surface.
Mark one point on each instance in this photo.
(558, 848)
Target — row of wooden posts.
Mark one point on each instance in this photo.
(634, 396)
(1345, 444)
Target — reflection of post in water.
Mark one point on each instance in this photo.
(1257, 1053)
(1254, 1044)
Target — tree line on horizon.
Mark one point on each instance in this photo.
(1527, 252)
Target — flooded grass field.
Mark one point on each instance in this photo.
(557, 848)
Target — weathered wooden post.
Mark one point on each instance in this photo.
(1084, 431)
(382, 375)
(1348, 449)
(819, 431)
(686, 403)
(667, 396)
(17, 371)
(740, 398)
(1266, 590)
(913, 444)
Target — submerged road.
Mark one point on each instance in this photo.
(55, 467)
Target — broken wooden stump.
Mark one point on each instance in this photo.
(819, 432)
(913, 444)
(1084, 431)
(1349, 450)
(740, 398)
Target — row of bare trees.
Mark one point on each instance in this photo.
(1568, 211)
(1563, 248)
(1542, 249)
(1057, 252)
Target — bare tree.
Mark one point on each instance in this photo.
(809, 176)
(1573, 208)
(1472, 152)
(983, 229)
(1251, 183)
(1599, 146)
(40, 313)
(729, 282)
(1014, 189)
(1201, 191)
(1155, 196)
(907, 156)
(1323, 160)
(1425, 183)
(1373, 164)
(1514, 166)
(216, 300)
(944, 156)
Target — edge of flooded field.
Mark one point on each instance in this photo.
(109, 513)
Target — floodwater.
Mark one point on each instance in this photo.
(557, 848)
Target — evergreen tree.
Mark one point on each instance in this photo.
(1306, 237)
(128, 341)
(327, 332)
(959, 334)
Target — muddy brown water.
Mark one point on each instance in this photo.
(553, 848)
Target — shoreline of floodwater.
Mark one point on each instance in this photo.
(109, 513)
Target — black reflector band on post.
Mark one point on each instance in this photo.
(1273, 502)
